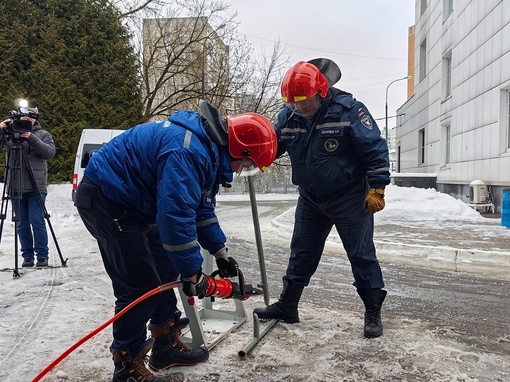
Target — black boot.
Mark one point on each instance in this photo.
(169, 350)
(373, 299)
(132, 368)
(285, 309)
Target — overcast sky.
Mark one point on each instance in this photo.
(366, 38)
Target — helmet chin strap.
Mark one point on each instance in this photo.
(216, 126)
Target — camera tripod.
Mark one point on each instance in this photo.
(16, 163)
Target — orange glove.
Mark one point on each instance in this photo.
(374, 201)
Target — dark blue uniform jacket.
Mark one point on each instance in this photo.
(168, 173)
(342, 147)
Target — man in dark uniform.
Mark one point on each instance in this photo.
(340, 163)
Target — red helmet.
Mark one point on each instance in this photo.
(252, 136)
(302, 82)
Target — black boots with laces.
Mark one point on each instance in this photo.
(285, 309)
(373, 299)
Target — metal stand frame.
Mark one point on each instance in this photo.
(209, 326)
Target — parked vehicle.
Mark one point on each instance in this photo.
(90, 142)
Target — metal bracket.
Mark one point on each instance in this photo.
(209, 326)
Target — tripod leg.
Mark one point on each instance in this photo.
(12, 179)
(16, 273)
(5, 199)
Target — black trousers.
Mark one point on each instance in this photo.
(314, 219)
(135, 261)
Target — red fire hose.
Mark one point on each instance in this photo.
(222, 288)
(151, 293)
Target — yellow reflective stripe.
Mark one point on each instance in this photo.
(296, 99)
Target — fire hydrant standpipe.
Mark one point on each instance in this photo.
(159, 289)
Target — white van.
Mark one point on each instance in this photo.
(90, 142)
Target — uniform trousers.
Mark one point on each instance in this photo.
(136, 262)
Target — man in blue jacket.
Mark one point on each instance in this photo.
(340, 163)
(148, 198)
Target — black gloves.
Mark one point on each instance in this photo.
(227, 266)
(195, 289)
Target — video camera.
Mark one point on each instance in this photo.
(17, 125)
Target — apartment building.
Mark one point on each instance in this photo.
(455, 126)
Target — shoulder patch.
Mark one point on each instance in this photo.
(367, 122)
(361, 111)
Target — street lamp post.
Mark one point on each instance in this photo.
(386, 107)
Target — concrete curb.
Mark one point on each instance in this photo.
(440, 257)
(445, 258)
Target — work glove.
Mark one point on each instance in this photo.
(195, 289)
(374, 201)
(226, 265)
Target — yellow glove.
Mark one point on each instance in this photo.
(374, 201)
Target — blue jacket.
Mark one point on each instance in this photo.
(341, 148)
(168, 173)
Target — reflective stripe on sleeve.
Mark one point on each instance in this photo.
(207, 222)
(182, 247)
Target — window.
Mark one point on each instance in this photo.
(508, 119)
(398, 158)
(504, 117)
(446, 144)
(421, 147)
(423, 6)
(89, 149)
(447, 8)
(447, 75)
(423, 59)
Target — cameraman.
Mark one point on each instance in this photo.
(39, 146)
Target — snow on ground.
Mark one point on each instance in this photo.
(44, 312)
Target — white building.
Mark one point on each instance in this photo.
(456, 124)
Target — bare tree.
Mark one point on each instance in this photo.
(191, 50)
(263, 89)
(133, 7)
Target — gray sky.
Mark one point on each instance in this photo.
(366, 38)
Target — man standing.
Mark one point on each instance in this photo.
(340, 163)
(147, 197)
(39, 146)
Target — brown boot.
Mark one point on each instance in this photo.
(169, 350)
(129, 368)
